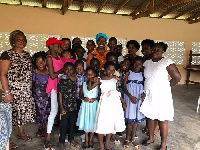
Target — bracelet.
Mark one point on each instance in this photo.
(7, 94)
(6, 91)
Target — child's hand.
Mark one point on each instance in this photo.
(92, 100)
(62, 111)
(133, 99)
(96, 80)
(143, 95)
(124, 106)
(117, 78)
(86, 99)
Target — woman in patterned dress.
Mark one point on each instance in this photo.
(16, 79)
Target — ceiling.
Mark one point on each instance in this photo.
(188, 10)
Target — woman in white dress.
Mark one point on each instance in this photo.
(158, 104)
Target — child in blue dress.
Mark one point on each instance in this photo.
(134, 96)
(87, 113)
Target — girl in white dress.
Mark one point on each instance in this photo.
(158, 103)
(110, 115)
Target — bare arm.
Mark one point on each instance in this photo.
(174, 74)
(4, 66)
(124, 84)
(62, 110)
(132, 98)
(93, 83)
(52, 74)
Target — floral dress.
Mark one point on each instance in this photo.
(20, 84)
(42, 101)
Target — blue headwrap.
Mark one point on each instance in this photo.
(101, 35)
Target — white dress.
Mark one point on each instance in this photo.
(110, 114)
(158, 103)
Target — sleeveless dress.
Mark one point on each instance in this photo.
(134, 86)
(158, 103)
(52, 83)
(42, 101)
(87, 112)
(20, 84)
(110, 114)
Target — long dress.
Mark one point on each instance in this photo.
(158, 103)
(110, 114)
(134, 86)
(87, 112)
(42, 100)
(20, 84)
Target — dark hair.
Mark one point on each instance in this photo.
(63, 52)
(134, 42)
(36, 55)
(13, 34)
(109, 54)
(149, 42)
(108, 63)
(138, 58)
(113, 39)
(92, 42)
(74, 40)
(67, 39)
(164, 46)
(67, 64)
(131, 62)
(79, 62)
(94, 59)
(90, 68)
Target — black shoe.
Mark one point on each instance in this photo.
(146, 144)
(90, 146)
(84, 147)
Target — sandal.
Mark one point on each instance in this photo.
(126, 144)
(24, 137)
(39, 133)
(135, 145)
(48, 145)
(116, 142)
(74, 144)
(13, 145)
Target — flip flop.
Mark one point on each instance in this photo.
(24, 137)
(135, 145)
(126, 144)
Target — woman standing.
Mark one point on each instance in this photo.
(158, 104)
(16, 79)
(100, 52)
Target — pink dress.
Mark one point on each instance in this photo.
(52, 83)
(68, 60)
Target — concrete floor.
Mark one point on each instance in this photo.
(184, 133)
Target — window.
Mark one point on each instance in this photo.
(35, 42)
(195, 50)
(85, 39)
(175, 51)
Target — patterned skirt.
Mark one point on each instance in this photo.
(5, 124)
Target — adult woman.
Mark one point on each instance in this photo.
(158, 104)
(100, 52)
(16, 79)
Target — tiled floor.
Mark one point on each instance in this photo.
(184, 132)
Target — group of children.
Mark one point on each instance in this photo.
(97, 100)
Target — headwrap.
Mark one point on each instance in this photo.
(101, 35)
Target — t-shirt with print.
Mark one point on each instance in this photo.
(68, 90)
